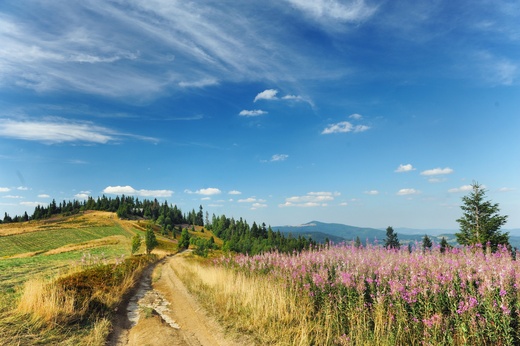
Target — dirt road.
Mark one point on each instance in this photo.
(168, 315)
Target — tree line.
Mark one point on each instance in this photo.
(238, 235)
(479, 224)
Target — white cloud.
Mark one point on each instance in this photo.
(463, 188)
(269, 94)
(33, 204)
(404, 192)
(59, 130)
(311, 199)
(279, 157)
(13, 197)
(82, 195)
(437, 171)
(343, 204)
(356, 116)
(234, 192)
(506, 189)
(206, 192)
(247, 200)
(22, 188)
(404, 168)
(293, 97)
(343, 127)
(199, 83)
(205, 198)
(372, 192)
(44, 195)
(258, 205)
(128, 190)
(325, 11)
(252, 113)
(4, 189)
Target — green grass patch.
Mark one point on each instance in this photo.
(46, 240)
(15, 271)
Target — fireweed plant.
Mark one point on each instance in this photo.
(463, 296)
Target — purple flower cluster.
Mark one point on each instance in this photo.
(460, 291)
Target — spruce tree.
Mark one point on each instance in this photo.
(391, 241)
(480, 222)
(427, 243)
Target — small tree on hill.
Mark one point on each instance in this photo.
(357, 243)
(480, 222)
(444, 245)
(391, 241)
(150, 240)
(426, 243)
(136, 243)
(184, 242)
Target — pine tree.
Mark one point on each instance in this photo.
(480, 222)
(444, 245)
(426, 243)
(391, 242)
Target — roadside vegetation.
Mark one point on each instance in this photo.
(64, 275)
(62, 279)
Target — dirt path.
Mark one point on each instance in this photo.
(183, 320)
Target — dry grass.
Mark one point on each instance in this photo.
(266, 310)
(46, 301)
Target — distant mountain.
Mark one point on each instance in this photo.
(337, 232)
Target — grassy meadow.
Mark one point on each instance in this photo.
(45, 269)
(344, 295)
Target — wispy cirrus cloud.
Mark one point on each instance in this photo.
(52, 130)
(279, 157)
(128, 190)
(325, 11)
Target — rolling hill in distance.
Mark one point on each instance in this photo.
(337, 232)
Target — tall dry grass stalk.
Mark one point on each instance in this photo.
(267, 310)
(46, 301)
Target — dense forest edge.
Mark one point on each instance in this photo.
(237, 235)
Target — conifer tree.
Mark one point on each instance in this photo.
(480, 222)
(391, 241)
(426, 243)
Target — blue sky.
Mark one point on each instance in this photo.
(369, 113)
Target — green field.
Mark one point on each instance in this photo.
(54, 238)
(15, 271)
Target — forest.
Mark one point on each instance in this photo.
(237, 235)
